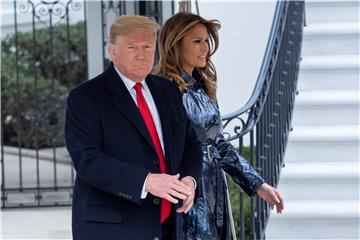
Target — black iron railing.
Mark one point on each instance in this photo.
(264, 123)
(43, 56)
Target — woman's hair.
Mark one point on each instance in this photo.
(171, 34)
(126, 24)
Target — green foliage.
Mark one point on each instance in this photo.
(36, 116)
(234, 191)
(235, 205)
(34, 88)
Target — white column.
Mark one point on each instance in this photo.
(167, 10)
(94, 39)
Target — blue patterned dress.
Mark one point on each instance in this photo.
(209, 217)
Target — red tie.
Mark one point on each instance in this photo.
(149, 122)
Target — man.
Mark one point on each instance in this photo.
(131, 143)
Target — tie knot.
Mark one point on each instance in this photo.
(138, 86)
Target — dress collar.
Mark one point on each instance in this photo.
(194, 81)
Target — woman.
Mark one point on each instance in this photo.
(186, 43)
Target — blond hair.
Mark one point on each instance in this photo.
(171, 34)
(126, 24)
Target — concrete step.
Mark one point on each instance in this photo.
(333, 38)
(334, 62)
(325, 134)
(329, 72)
(318, 189)
(322, 152)
(316, 171)
(332, 11)
(323, 144)
(313, 228)
(316, 220)
(36, 223)
(329, 78)
(320, 180)
(330, 209)
(29, 167)
(332, 107)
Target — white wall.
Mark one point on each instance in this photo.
(243, 38)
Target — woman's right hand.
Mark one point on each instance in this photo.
(271, 196)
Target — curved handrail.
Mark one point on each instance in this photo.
(275, 35)
(264, 64)
(263, 124)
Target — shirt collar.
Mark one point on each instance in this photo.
(128, 82)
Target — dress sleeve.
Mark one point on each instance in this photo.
(241, 172)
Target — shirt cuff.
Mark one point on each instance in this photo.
(194, 181)
(143, 191)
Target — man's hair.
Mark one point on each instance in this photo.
(126, 24)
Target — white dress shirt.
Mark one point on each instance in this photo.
(149, 101)
(152, 107)
(154, 113)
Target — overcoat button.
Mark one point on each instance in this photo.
(156, 201)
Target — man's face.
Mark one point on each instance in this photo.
(133, 54)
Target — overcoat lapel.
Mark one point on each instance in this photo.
(125, 104)
(161, 100)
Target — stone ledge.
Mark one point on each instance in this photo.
(47, 154)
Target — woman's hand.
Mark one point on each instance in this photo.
(271, 196)
(189, 201)
(168, 187)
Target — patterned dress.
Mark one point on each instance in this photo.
(209, 217)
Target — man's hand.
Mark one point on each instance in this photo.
(271, 196)
(189, 201)
(168, 187)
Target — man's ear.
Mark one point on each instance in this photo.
(111, 51)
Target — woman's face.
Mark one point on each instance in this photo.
(194, 48)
